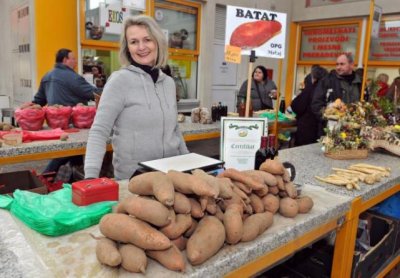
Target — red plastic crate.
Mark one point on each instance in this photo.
(87, 192)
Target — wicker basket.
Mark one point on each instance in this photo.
(347, 154)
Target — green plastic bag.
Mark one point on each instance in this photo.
(271, 116)
(54, 214)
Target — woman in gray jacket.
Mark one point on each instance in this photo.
(138, 104)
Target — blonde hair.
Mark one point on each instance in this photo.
(155, 33)
(383, 77)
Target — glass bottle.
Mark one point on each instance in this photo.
(272, 151)
(282, 106)
(261, 154)
(242, 108)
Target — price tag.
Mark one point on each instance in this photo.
(233, 54)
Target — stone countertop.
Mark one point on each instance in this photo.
(79, 139)
(25, 253)
(310, 161)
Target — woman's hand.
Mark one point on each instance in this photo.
(273, 93)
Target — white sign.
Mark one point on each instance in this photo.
(112, 18)
(376, 21)
(260, 30)
(240, 140)
(135, 4)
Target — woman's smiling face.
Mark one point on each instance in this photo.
(141, 45)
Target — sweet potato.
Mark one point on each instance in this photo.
(256, 203)
(107, 252)
(219, 214)
(286, 175)
(126, 229)
(171, 258)
(182, 204)
(242, 186)
(266, 177)
(206, 240)
(280, 183)
(273, 190)
(274, 167)
(241, 194)
(225, 187)
(190, 184)
(291, 190)
(211, 206)
(233, 223)
(180, 242)
(192, 228)
(262, 192)
(243, 178)
(256, 224)
(305, 204)
(271, 203)
(155, 184)
(176, 228)
(234, 200)
(288, 207)
(203, 202)
(133, 258)
(196, 210)
(211, 180)
(148, 210)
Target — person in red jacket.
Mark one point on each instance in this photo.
(382, 81)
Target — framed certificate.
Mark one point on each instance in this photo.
(240, 140)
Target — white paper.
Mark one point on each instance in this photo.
(182, 163)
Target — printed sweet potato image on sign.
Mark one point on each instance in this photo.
(250, 35)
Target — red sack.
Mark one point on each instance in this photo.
(52, 134)
(30, 119)
(83, 116)
(58, 117)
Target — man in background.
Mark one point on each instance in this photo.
(63, 86)
(342, 83)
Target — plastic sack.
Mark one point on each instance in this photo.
(30, 119)
(29, 136)
(58, 117)
(83, 116)
(271, 116)
(389, 207)
(54, 214)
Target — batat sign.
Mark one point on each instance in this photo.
(242, 13)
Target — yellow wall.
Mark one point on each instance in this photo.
(55, 27)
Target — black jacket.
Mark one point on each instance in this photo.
(307, 122)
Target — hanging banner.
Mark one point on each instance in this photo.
(253, 29)
(240, 140)
(112, 17)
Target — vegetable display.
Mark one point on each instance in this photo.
(176, 215)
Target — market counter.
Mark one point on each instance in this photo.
(31, 254)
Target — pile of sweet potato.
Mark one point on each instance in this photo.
(199, 213)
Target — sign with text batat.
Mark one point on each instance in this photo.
(253, 29)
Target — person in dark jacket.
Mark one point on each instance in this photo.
(307, 122)
(263, 90)
(62, 85)
(342, 83)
